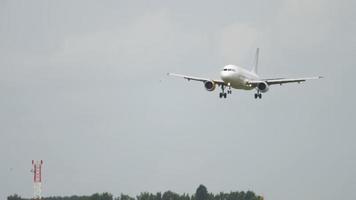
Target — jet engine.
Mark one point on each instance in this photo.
(209, 85)
(263, 87)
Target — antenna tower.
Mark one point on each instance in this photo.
(37, 179)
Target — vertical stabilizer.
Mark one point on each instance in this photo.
(255, 64)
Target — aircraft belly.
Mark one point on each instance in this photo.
(241, 87)
(239, 83)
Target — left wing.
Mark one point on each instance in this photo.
(281, 81)
(219, 82)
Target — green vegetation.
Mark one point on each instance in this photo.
(200, 194)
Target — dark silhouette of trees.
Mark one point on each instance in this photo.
(200, 194)
(14, 197)
(124, 197)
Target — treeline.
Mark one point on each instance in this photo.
(200, 194)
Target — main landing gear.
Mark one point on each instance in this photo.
(258, 94)
(223, 93)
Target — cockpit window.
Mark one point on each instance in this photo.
(226, 69)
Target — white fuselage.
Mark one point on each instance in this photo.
(237, 77)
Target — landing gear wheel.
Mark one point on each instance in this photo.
(258, 95)
(222, 94)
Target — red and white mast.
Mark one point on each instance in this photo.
(37, 179)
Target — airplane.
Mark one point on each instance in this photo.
(236, 77)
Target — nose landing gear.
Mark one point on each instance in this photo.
(229, 88)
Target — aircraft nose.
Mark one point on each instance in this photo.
(224, 75)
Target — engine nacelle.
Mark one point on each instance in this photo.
(263, 87)
(209, 85)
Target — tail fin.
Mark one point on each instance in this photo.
(255, 66)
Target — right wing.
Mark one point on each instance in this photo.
(281, 81)
(219, 82)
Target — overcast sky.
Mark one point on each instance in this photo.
(83, 86)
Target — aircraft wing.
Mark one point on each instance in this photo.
(193, 78)
(281, 81)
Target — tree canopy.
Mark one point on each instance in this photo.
(200, 194)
